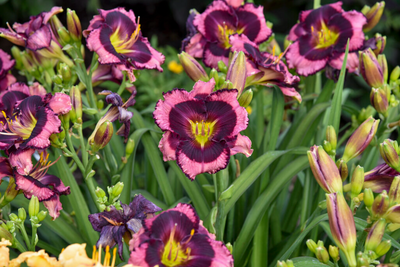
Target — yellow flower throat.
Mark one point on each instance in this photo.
(324, 37)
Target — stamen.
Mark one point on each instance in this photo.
(191, 235)
(94, 253)
(107, 257)
(178, 248)
(114, 257)
(273, 50)
(99, 254)
(197, 128)
(202, 128)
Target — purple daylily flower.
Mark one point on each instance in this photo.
(114, 224)
(34, 181)
(380, 178)
(31, 120)
(320, 39)
(265, 69)
(176, 237)
(118, 110)
(217, 23)
(202, 128)
(116, 37)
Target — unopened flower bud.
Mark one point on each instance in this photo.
(331, 136)
(103, 136)
(57, 79)
(245, 98)
(357, 181)
(66, 72)
(14, 217)
(343, 169)
(100, 192)
(324, 170)
(342, 225)
(360, 139)
(222, 67)
(130, 146)
(391, 227)
(395, 74)
(193, 68)
(334, 253)
(368, 197)
(379, 100)
(281, 264)
(380, 44)
(375, 235)
(117, 189)
(383, 248)
(394, 192)
(16, 53)
(4, 233)
(373, 15)
(237, 71)
(64, 36)
(384, 66)
(100, 104)
(22, 214)
(74, 25)
(388, 150)
(11, 191)
(33, 206)
(322, 254)
(312, 246)
(42, 215)
(289, 263)
(327, 147)
(380, 205)
(214, 74)
(362, 262)
(76, 101)
(370, 68)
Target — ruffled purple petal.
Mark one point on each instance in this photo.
(56, 183)
(234, 3)
(120, 20)
(54, 206)
(99, 42)
(102, 219)
(40, 39)
(140, 207)
(6, 63)
(32, 187)
(190, 28)
(95, 23)
(6, 81)
(351, 63)
(193, 159)
(241, 144)
(251, 21)
(5, 168)
(195, 45)
(202, 89)
(168, 144)
(380, 178)
(13, 37)
(213, 53)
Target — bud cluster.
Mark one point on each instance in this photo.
(114, 193)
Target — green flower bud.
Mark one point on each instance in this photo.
(214, 74)
(237, 71)
(41, 215)
(368, 197)
(11, 192)
(373, 15)
(379, 100)
(74, 25)
(380, 205)
(360, 139)
(384, 66)
(375, 235)
(281, 264)
(357, 181)
(22, 214)
(130, 146)
(117, 189)
(312, 246)
(100, 104)
(14, 217)
(16, 53)
(334, 253)
(100, 192)
(4, 233)
(222, 66)
(289, 263)
(393, 227)
(395, 74)
(103, 136)
(33, 206)
(327, 147)
(76, 101)
(388, 150)
(193, 68)
(331, 136)
(57, 79)
(64, 36)
(66, 72)
(362, 262)
(322, 254)
(383, 248)
(245, 98)
(343, 169)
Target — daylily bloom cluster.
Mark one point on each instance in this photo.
(202, 128)
(116, 37)
(30, 117)
(176, 237)
(209, 32)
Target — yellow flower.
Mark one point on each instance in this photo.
(75, 256)
(4, 252)
(175, 67)
(35, 259)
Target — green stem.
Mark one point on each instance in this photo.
(32, 245)
(122, 86)
(75, 158)
(222, 181)
(24, 234)
(19, 246)
(83, 147)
